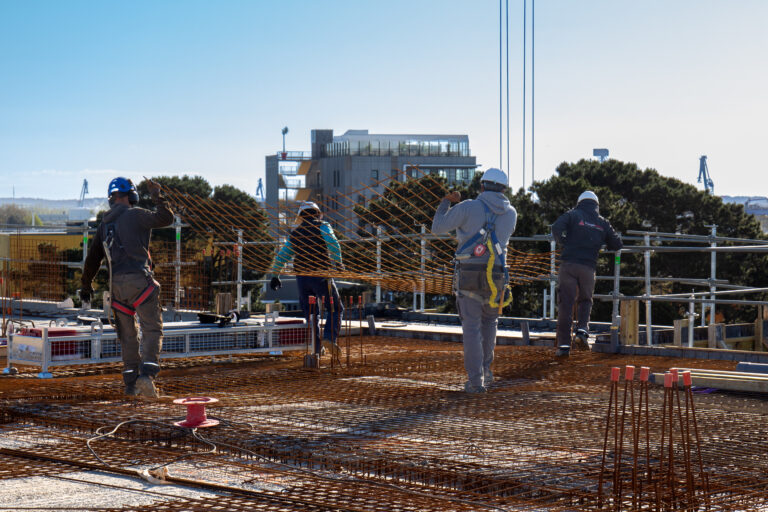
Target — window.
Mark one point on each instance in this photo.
(375, 175)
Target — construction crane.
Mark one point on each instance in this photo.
(704, 177)
(83, 191)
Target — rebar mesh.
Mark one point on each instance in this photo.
(395, 433)
(379, 227)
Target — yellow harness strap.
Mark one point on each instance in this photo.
(489, 277)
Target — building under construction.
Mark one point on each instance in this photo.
(652, 418)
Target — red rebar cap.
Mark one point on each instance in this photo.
(615, 372)
(312, 299)
(687, 378)
(667, 380)
(644, 373)
(196, 417)
(675, 374)
(629, 372)
(359, 299)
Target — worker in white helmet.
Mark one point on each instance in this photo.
(316, 253)
(581, 232)
(481, 281)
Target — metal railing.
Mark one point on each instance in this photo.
(97, 344)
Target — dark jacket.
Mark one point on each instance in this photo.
(130, 247)
(313, 247)
(582, 232)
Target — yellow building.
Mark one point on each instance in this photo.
(27, 244)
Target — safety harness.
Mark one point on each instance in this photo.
(112, 242)
(483, 241)
(130, 309)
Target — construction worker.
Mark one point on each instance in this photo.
(581, 232)
(315, 250)
(123, 239)
(481, 282)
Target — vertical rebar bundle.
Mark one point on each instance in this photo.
(664, 478)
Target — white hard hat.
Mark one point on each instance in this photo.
(494, 175)
(308, 205)
(588, 194)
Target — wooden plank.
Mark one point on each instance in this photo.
(630, 322)
(730, 383)
(724, 373)
(716, 336)
(678, 326)
(760, 328)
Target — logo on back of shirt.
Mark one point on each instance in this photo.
(590, 225)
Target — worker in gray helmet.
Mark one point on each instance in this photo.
(481, 281)
(580, 232)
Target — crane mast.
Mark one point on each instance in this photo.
(704, 177)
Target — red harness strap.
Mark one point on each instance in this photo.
(131, 309)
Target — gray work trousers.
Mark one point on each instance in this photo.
(478, 325)
(575, 284)
(138, 359)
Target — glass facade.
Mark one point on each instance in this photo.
(452, 174)
(375, 147)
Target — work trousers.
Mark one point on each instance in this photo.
(139, 357)
(575, 284)
(323, 289)
(478, 325)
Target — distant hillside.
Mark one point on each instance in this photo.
(756, 205)
(54, 204)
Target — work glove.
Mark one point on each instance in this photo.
(154, 191)
(85, 295)
(275, 283)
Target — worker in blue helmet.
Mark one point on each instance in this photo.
(122, 239)
(580, 232)
(481, 281)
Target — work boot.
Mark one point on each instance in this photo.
(469, 388)
(332, 347)
(146, 387)
(129, 379)
(563, 351)
(580, 340)
(487, 378)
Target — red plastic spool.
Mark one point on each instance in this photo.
(196, 417)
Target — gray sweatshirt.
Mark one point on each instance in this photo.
(467, 217)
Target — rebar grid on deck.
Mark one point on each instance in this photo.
(340, 439)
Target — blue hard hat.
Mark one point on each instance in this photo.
(120, 184)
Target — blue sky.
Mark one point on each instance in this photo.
(94, 89)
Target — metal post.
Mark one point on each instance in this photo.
(378, 264)
(177, 264)
(691, 322)
(648, 320)
(423, 264)
(552, 264)
(713, 270)
(615, 315)
(239, 268)
(85, 242)
(544, 305)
